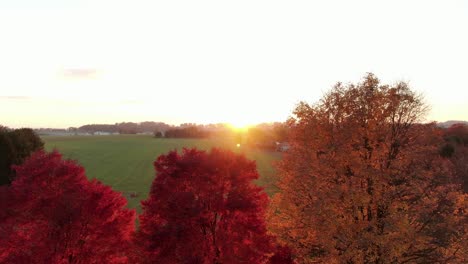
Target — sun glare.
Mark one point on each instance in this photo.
(240, 125)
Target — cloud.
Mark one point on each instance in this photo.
(79, 73)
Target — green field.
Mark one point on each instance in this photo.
(125, 162)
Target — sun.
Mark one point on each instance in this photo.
(240, 125)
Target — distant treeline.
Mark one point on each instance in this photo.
(266, 136)
(159, 129)
(185, 132)
(125, 127)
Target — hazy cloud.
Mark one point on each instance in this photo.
(79, 73)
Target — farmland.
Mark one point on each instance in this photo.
(125, 162)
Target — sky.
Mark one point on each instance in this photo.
(68, 62)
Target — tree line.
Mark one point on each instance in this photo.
(364, 181)
(125, 127)
(185, 132)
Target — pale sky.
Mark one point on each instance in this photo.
(69, 62)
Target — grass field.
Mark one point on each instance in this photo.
(125, 162)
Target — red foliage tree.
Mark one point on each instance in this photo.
(52, 214)
(204, 208)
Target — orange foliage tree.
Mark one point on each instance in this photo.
(363, 181)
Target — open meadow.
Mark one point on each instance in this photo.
(125, 162)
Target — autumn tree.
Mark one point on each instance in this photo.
(364, 182)
(203, 207)
(52, 213)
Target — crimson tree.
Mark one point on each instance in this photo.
(204, 208)
(52, 214)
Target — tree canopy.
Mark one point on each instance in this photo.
(364, 182)
(52, 213)
(203, 207)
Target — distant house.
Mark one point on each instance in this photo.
(282, 146)
(101, 133)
